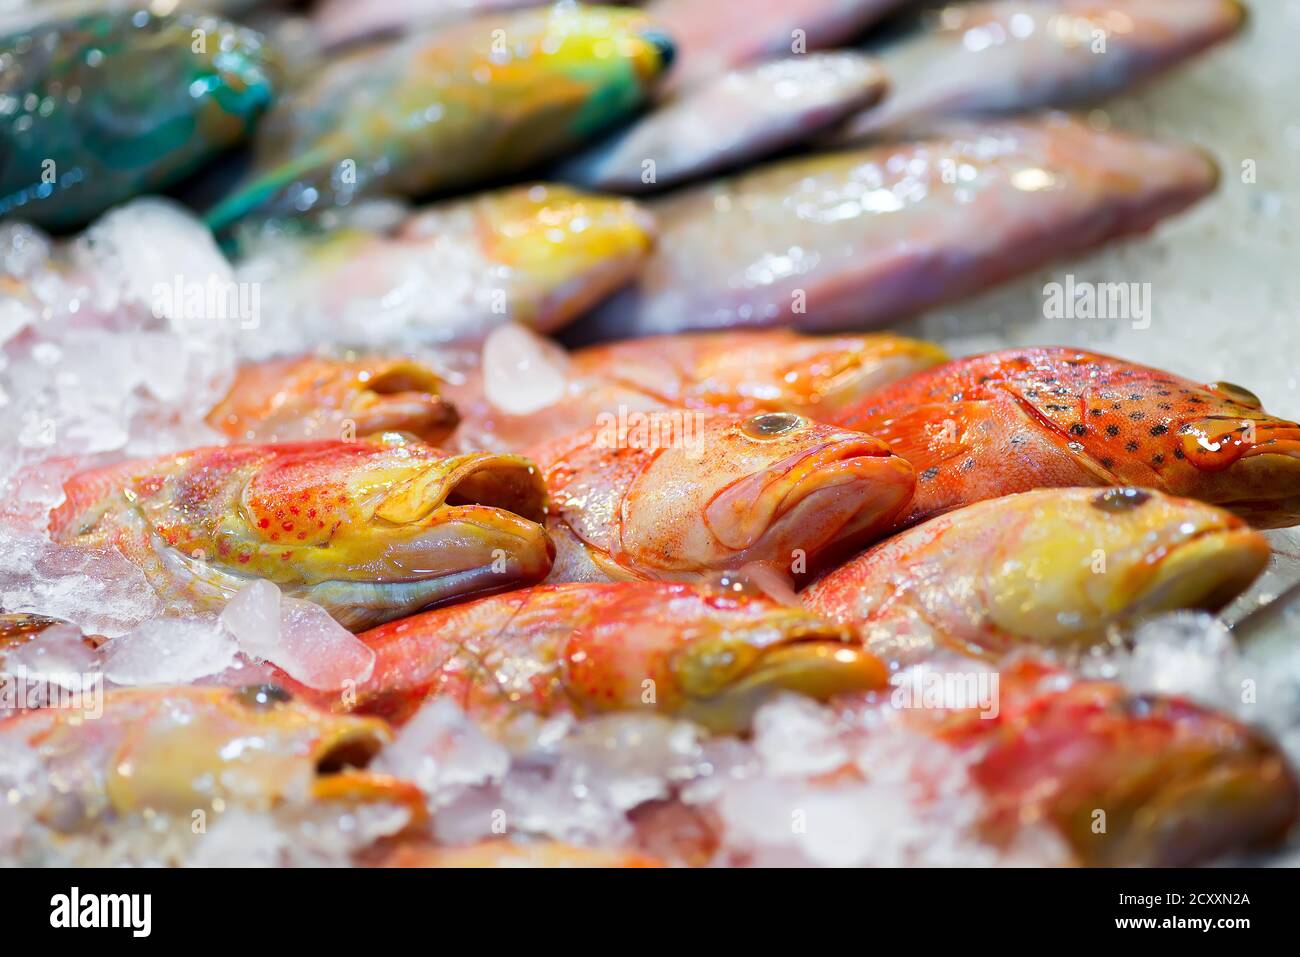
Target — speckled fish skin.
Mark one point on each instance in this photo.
(1010, 421)
(316, 397)
(135, 124)
(539, 255)
(863, 238)
(771, 370)
(174, 750)
(683, 495)
(370, 530)
(449, 108)
(719, 35)
(1010, 56)
(710, 655)
(1180, 784)
(1056, 568)
(729, 121)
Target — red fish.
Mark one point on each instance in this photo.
(1020, 419)
(313, 397)
(1175, 783)
(682, 494)
(701, 653)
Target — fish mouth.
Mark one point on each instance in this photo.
(341, 759)
(725, 681)
(402, 396)
(1205, 572)
(1192, 808)
(466, 526)
(841, 491)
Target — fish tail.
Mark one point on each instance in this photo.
(255, 192)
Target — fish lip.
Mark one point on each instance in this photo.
(1196, 572)
(784, 486)
(820, 664)
(521, 548)
(341, 759)
(522, 490)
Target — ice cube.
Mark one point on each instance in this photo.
(522, 371)
(169, 651)
(444, 752)
(297, 636)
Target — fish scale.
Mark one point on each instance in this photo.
(1056, 416)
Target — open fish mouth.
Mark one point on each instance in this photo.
(1206, 571)
(467, 526)
(725, 680)
(402, 396)
(838, 491)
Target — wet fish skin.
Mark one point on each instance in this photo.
(1179, 784)
(720, 35)
(859, 239)
(371, 530)
(135, 124)
(708, 655)
(312, 397)
(449, 108)
(172, 750)
(539, 255)
(746, 371)
(1054, 568)
(1013, 56)
(683, 495)
(1018, 419)
(730, 121)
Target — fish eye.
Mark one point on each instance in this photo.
(1120, 499)
(770, 424)
(1236, 393)
(262, 697)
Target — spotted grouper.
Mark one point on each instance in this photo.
(1010, 421)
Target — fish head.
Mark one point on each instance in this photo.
(708, 655)
(560, 250)
(621, 51)
(1068, 564)
(725, 490)
(1179, 783)
(383, 529)
(371, 530)
(318, 397)
(1136, 425)
(175, 749)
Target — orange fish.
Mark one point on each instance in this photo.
(370, 530)
(178, 749)
(1010, 421)
(701, 653)
(776, 370)
(682, 494)
(1055, 567)
(1177, 784)
(312, 397)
